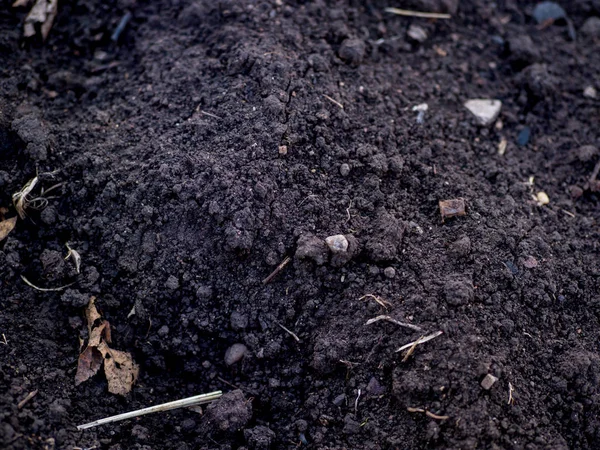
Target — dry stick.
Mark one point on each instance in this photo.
(427, 413)
(394, 321)
(278, 269)
(29, 283)
(511, 400)
(183, 403)
(210, 115)
(379, 300)
(420, 340)
(291, 333)
(425, 15)
(335, 102)
(412, 349)
(26, 399)
(4, 341)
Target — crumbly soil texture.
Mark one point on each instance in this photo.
(213, 140)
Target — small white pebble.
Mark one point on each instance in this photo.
(337, 243)
(542, 198)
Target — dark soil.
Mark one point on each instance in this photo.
(203, 148)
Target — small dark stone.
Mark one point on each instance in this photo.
(524, 136)
(523, 51)
(591, 27)
(339, 400)
(352, 51)
(548, 11)
(374, 387)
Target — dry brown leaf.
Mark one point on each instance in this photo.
(120, 369)
(40, 17)
(91, 314)
(6, 226)
(90, 361)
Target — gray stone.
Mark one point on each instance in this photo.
(488, 381)
(235, 353)
(591, 27)
(344, 170)
(337, 243)
(352, 51)
(389, 272)
(172, 282)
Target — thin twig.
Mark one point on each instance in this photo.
(425, 15)
(511, 389)
(210, 115)
(183, 403)
(291, 333)
(379, 300)
(335, 102)
(26, 399)
(29, 283)
(421, 340)
(412, 349)
(394, 321)
(435, 416)
(278, 269)
(427, 413)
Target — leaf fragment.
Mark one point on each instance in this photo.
(6, 226)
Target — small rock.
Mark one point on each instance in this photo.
(488, 381)
(341, 258)
(530, 262)
(374, 387)
(311, 247)
(339, 400)
(590, 92)
(524, 136)
(344, 170)
(452, 208)
(591, 27)
(417, 33)
(337, 243)
(461, 247)
(75, 298)
(548, 11)
(172, 282)
(352, 51)
(421, 109)
(283, 150)
(485, 111)
(235, 353)
(523, 51)
(542, 198)
(389, 272)
(163, 331)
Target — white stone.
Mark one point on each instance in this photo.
(589, 92)
(417, 33)
(486, 111)
(337, 243)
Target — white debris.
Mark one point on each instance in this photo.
(486, 111)
(590, 92)
(337, 243)
(542, 198)
(417, 33)
(421, 109)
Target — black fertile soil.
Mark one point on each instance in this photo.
(213, 139)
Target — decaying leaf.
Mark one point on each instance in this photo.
(120, 369)
(6, 226)
(90, 361)
(41, 17)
